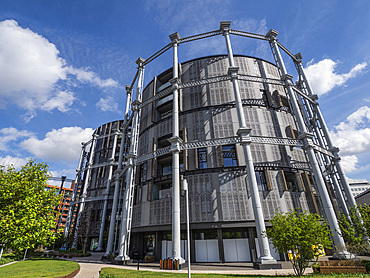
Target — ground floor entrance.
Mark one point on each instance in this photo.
(208, 245)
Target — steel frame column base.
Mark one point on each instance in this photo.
(106, 254)
(122, 260)
(272, 265)
(266, 262)
(181, 260)
(343, 255)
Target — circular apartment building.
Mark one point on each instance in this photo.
(221, 213)
(246, 139)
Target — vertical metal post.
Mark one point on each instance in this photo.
(333, 177)
(175, 141)
(308, 146)
(106, 194)
(86, 184)
(185, 187)
(117, 174)
(75, 189)
(334, 150)
(243, 132)
(130, 180)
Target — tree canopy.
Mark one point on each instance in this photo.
(355, 229)
(303, 234)
(27, 215)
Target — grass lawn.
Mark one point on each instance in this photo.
(39, 267)
(107, 272)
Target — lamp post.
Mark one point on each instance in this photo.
(186, 189)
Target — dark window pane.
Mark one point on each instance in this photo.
(202, 158)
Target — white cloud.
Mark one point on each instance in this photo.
(108, 104)
(352, 136)
(323, 78)
(61, 101)
(59, 145)
(349, 163)
(69, 173)
(10, 134)
(86, 76)
(16, 162)
(32, 71)
(29, 63)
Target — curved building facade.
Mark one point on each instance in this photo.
(93, 196)
(247, 141)
(220, 200)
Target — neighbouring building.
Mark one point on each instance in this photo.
(64, 205)
(358, 186)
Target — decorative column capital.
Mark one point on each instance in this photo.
(244, 133)
(128, 89)
(135, 105)
(298, 57)
(314, 97)
(175, 143)
(130, 159)
(233, 72)
(175, 37)
(271, 35)
(140, 62)
(304, 135)
(287, 77)
(175, 82)
(225, 26)
(334, 149)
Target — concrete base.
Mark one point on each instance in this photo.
(181, 260)
(258, 265)
(119, 262)
(343, 255)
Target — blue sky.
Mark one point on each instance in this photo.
(64, 65)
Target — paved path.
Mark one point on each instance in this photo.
(90, 267)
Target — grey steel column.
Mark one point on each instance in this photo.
(123, 248)
(308, 145)
(334, 150)
(75, 188)
(117, 174)
(86, 184)
(308, 90)
(106, 194)
(243, 132)
(175, 141)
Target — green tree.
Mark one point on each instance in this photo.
(303, 234)
(355, 229)
(83, 229)
(27, 215)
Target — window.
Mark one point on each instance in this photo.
(166, 169)
(202, 158)
(161, 191)
(262, 182)
(229, 156)
(290, 181)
